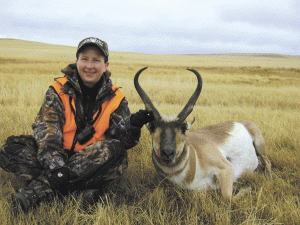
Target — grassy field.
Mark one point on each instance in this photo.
(263, 88)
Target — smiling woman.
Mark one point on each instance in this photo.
(81, 134)
(91, 64)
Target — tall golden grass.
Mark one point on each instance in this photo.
(261, 88)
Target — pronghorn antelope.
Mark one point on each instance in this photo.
(213, 157)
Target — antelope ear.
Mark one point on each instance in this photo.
(190, 124)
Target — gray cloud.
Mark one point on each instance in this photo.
(264, 17)
(159, 27)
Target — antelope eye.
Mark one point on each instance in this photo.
(183, 128)
(151, 127)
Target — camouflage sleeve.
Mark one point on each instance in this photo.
(48, 131)
(120, 127)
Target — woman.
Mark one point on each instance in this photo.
(81, 133)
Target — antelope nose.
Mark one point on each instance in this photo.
(168, 153)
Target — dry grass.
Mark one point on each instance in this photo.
(261, 88)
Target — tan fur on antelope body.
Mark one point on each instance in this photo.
(213, 157)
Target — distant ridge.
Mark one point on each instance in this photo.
(22, 43)
(269, 55)
(19, 42)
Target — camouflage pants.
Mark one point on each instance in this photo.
(92, 166)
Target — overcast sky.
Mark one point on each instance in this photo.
(159, 26)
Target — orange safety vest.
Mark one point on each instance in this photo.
(100, 125)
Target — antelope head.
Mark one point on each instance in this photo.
(168, 132)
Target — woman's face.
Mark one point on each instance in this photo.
(91, 65)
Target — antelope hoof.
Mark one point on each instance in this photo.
(241, 194)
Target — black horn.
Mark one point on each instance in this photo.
(192, 101)
(147, 102)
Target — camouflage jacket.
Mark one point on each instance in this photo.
(49, 123)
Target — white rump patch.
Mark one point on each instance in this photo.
(239, 151)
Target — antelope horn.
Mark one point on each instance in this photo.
(147, 102)
(192, 101)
